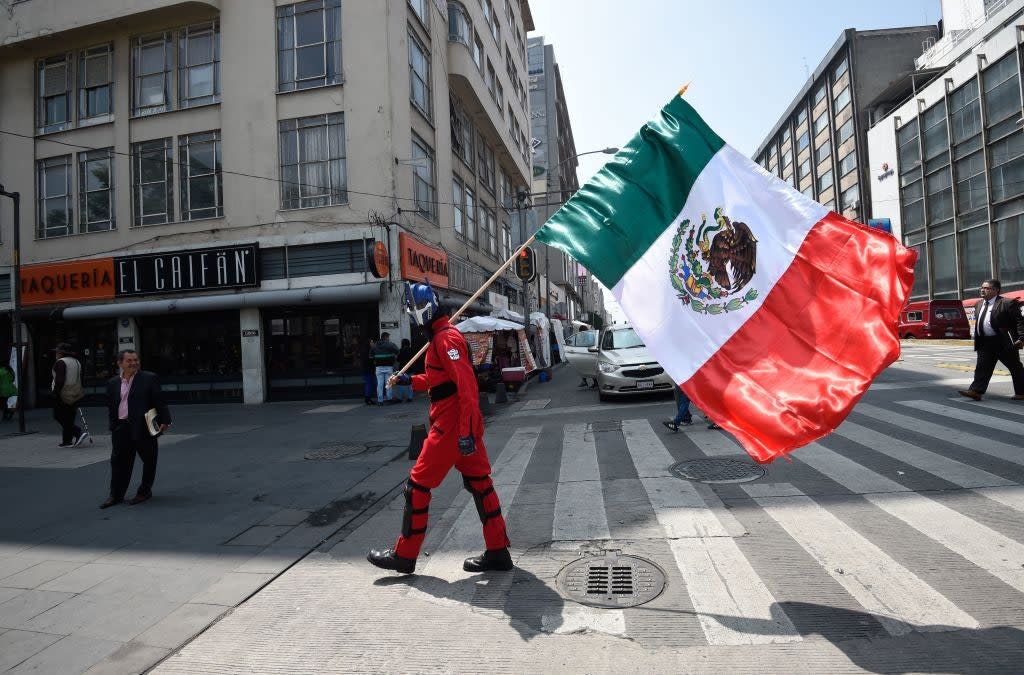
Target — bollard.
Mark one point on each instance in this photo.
(485, 404)
(417, 436)
(500, 393)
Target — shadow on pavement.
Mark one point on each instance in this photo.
(532, 607)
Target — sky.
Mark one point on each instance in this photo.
(621, 60)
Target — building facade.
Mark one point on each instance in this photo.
(819, 144)
(237, 188)
(949, 158)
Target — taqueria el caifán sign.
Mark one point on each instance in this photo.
(204, 269)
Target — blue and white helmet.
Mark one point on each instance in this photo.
(421, 303)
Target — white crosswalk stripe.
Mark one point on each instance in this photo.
(988, 446)
(1014, 408)
(953, 412)
(983, 546)
(719, 579)
(897, 596)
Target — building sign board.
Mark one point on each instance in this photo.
(71, 281)
(420, 262)
(204, 269)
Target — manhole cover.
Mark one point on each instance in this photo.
(717, 470)
(606, 425)
(335, 450)
(611, 580)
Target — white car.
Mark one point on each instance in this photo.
(578, 354)
(624, 366)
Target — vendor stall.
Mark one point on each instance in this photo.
(500, 350)
(540, 343)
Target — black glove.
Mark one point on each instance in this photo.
(404, 379)
(467, 446)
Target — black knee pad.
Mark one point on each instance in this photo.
(410, 509)
(479, 496)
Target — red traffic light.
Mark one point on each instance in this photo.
(526, 267)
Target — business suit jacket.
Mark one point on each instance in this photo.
(144, 394)
(1006, 319)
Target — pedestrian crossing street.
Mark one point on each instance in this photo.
(906, 519)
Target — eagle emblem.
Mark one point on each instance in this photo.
(707, 269)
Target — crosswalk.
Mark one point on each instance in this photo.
(910, 513)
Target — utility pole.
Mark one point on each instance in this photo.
(16, 300)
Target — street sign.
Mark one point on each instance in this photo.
(526, 264)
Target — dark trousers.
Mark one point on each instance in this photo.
(992, 349)
(65, 416)
(122, 461)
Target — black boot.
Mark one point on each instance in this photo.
(389, 560)
(497, 560)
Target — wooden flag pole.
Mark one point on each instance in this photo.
(472, 299)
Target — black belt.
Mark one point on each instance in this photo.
(442, 391)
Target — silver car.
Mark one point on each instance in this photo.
(580, 355)
(624, 366)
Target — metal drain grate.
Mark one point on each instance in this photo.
(611, 580)
(335, 451)
(606, 425)
(717, 470)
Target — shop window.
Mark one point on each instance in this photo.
(202, 193)
(153, 182)
(96, 190)
(308, 45)
(1010, 248)
(197, 356)
(313, 166)
(56, 213)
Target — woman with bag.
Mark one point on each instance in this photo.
(67, 391)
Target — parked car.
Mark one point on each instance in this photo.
(624, 366)
(578, 354)
(934, 319)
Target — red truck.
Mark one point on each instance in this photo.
(934, 319)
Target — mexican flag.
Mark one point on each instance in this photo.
(773, 313)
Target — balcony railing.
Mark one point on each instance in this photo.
(949, 41)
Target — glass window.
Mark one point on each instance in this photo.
(804, 169)
(96, 190)
(808, 192)
(825, 181)
(313, 168)
(845, 132)
(423, 177)
(842, 100)
(940, 196)
(506, 241)
(848, 163)
(470, 216)
(56, 215)
(787, 159)
(1002, 89)
(485, 163)
(943, 265)
(460, 26)
(95, 83)
(841, 68)
(202, 194)
(623, 338)
(54, 112)
(458, 202)
(920, 287)
(934, 139)
(491, 79)
(819, 94)
(849, 197)
(422, 10)
(971, 192)
(462, 132)
(912, 215)
(499, 94)
(821, 122)
(488, 223)
(152, 182)
(308, 44)
(803, 141)
(478, 52)
(419, 76)
(823, 152)
(965, 112)
(801, 116)
(1010, 248)
(199, 65)
(909, 153)
(152, 59)
(785, 135)
(975, 263)
(1007, 163)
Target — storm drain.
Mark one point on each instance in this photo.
(606, 425)
(335, 450)
(717, 470)
(611, 580)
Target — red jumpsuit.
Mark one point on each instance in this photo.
(454, 413)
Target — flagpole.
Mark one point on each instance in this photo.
(472, 299)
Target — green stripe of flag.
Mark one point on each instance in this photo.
(613, 219)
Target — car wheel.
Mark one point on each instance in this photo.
(908, 337)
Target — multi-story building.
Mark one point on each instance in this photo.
(237, 188)
(819, 143)
(948, 155)
(554, 174)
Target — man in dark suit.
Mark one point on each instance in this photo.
(129, 396)
(998, 335)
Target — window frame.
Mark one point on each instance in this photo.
(86, 226)
(185, 34)
(139, 150)
(43, 227)
(84, 117)
(421, 8)
(331, 47)
(426, 107)
(423, 178)
(335, 162)
(185, 144)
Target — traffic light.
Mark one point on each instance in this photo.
(526, 264)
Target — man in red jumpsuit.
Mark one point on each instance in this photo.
(456, 439)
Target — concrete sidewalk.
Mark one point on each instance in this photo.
(241, 494)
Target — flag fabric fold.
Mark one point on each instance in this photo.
(773, 313)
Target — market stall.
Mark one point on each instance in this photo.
(541, 342)
(501, 351)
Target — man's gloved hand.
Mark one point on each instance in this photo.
(402, 379)
(467, 446)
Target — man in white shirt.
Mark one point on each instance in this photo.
(998, 336)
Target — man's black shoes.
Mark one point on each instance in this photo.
(389, 560)
(110, 502)
(497, 560)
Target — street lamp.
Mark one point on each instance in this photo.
(16, 301)
(547, 274)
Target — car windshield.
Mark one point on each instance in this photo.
(625, 338)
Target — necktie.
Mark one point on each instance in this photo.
(981, 319)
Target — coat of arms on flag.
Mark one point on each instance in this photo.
(774, 314)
